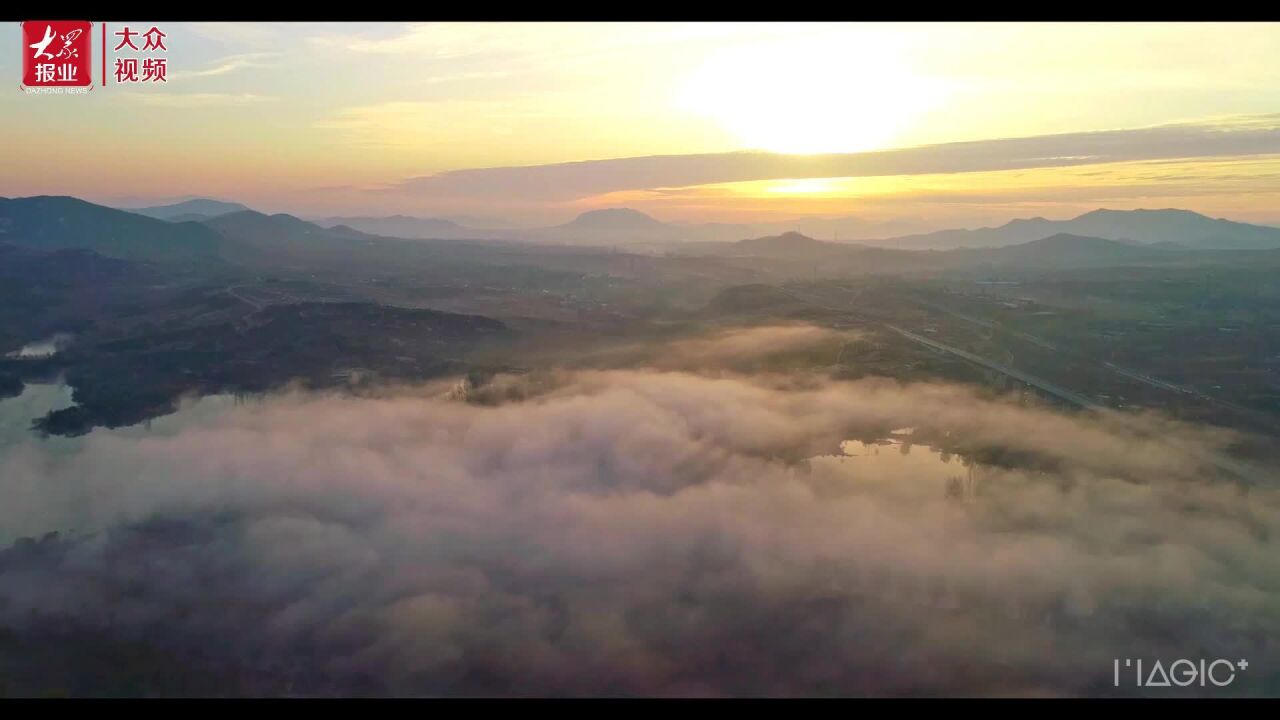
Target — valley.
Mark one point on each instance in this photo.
(1127, 327)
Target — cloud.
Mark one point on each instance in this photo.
(540, 44)
(413, 123)
(199, 100)
(238, 33)
(1255, 135)
(627, 532)
(228, 64)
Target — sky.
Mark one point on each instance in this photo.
(960, 124)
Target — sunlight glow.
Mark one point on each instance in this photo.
(832, 94)
(804, 186)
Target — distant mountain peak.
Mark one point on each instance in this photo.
(399, 225)
(1074, 250)
(1139, 212)
(1070, 239)
(615, 219)
(1142, 226)
(253, 218)
(194, 207)
(791, 236)
(248, 214)
(792, 244)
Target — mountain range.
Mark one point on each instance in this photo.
(49, 222)
(1169, 228)
(1057, 252)
(625, 227)
(610, 226)
(254, 239)
(1148, 227)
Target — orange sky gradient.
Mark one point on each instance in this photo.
(327, 118)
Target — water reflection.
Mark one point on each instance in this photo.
(895, 459)
(36, 400)
(43, 348)
(39, 399)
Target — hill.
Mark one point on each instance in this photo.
(610, 226)
(790, 245)
(287, 242)
(615, 219)
(1185, 228)
(1067, 251)
(405, 226)
(45, 292)
(196, 209)
(57, 222)
(794, 254)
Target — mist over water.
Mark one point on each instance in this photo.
(620, 532)
(641, 360)
(36, 400)
(43, 348)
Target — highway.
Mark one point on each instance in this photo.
(1241, 470)
(1055, 390)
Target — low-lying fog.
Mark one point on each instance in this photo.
(675, 529)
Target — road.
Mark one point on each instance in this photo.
(1055, 390)
(1241, 470)
(233, 292)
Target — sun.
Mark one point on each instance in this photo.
(835, 94)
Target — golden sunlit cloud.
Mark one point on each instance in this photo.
(531, 121)
(1249, 187)
(806, 186)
